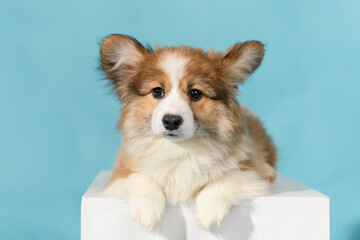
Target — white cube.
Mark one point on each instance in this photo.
(292, 211)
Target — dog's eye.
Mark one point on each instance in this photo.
(158, 92)
(195, 94)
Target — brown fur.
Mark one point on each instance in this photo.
(261, 138)
(124, 167)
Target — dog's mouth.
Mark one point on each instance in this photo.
(172, 135)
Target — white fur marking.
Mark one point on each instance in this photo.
(174, 66)
(174, 103)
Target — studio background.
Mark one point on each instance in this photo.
(58, 118)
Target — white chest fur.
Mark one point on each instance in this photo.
(182, 168)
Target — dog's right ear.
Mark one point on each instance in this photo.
(120, 56)
(242, 59)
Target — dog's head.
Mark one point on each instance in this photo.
(178, 92)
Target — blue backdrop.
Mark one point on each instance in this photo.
(58, 118)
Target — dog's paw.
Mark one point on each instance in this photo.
(148, 212)
(269, 172)
(210, 211)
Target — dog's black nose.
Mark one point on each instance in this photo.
(172, 122)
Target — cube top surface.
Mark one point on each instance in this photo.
(284, 189)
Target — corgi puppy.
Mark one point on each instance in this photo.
(184, 134)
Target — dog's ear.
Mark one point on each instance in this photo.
(241, 60)
(120, 56)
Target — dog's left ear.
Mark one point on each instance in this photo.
(241, 60)
(120, 56)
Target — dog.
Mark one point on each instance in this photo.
(185, 136)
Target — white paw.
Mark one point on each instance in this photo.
(268, 171)
(210, 211)
(148, 212)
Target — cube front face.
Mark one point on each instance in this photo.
(110, 219)
(269, 223)
(293, 211)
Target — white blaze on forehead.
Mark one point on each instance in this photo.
(174, 67)
(174, 103)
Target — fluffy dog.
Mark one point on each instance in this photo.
(185, 135)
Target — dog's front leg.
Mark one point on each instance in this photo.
(215, 200)
(144, 196)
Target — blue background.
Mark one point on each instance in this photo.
(58, 118)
